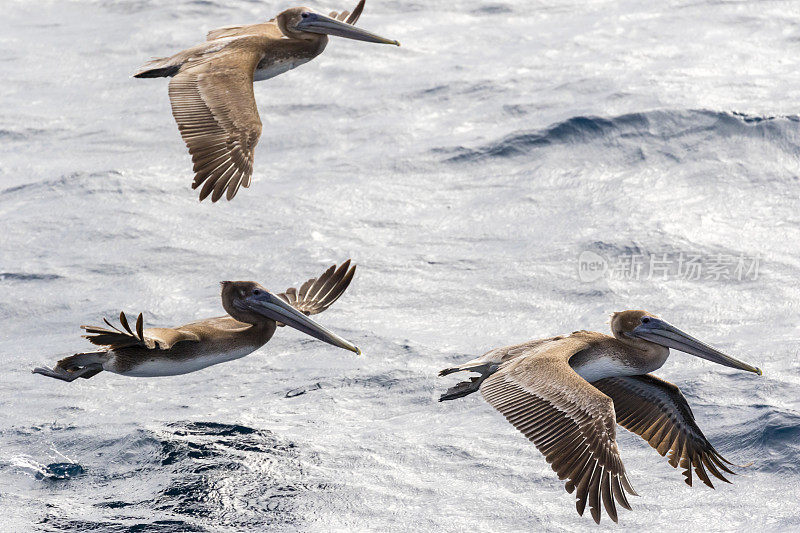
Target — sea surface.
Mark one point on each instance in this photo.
(517, 169)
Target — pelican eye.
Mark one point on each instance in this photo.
(645, 320)
(256, 292)
(305, 15)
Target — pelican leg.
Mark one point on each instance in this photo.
(465, 388)
(70, 375)
(480, 367)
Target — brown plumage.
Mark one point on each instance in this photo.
(571, 423)
(215, 109)
(657, 411)
(211, 91)
(317, 294)
(271, 27)
(566, 394)
(151, 339)
(253, 315)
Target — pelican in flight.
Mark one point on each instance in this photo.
(211, 90)
(253, 315)
(568, 393)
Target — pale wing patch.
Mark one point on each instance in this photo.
(166, 338)
(268, 29)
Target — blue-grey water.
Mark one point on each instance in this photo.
(516, 169)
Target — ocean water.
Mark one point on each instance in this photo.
(517, 169)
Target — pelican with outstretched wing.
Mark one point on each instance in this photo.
(568, 393)
(211, 90)
(254, 314)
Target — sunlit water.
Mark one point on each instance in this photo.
(466, 173)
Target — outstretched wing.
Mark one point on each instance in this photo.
(152, 338)
(656, 410)
(567, 419)
(353, 17)
(318, 294)
(215, 108)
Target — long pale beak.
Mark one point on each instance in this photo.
(665, 334)
(273, 307)
(317, 23)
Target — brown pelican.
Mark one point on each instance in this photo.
(253, 315)
(566, 394)
(211, 90)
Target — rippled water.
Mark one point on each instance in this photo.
(469, 173)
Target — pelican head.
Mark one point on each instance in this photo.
(642, 326)
(305, 23)
(249, 302)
